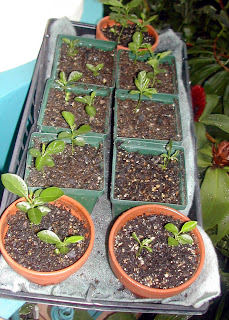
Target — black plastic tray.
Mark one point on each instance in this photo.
(27, 127)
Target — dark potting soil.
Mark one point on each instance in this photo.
(82, 170)
(24, 246)
(154, 120)
(166, 266)
(126, 36)
(56, 104)
(88, 55)
(128, 71)
(139, 177)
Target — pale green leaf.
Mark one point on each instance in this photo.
(200, 133)
(35, 215)
(23, 206)
(79, 141)
(51, 194)
(185, 239)
(218, 120)
(211, 102)
(55, 147)
(172, 241)
(172, 228)
(68, 117)
(188, 226)
(14, 184)
(83, 129)
(48, 236)
(34, 152)
(73, 239)
(44, 210)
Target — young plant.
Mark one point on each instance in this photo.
(136, 45)
(44, 158)
(180, 237)
(71, 46)
(142, 244)
(141, 24)
(95, 69)
(65, 82)
(142, 85)
(34, 204)
(88, 100)
(169, 156)
(73, 135)
(61, 246)
(154, 61)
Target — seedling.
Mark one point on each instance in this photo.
(61, 246)
(180, 237)
(73, 135)
(136, 45)
(154, 61)
(71, 46)
(65, 83)
(168, 156)
(33, 205)
(95, 69)
(89, 100)
(142, 84)
(142, 244)
(43, 158)
(141, 24)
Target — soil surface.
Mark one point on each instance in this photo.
(166, 266)
(82, 170)
(88, 55)
(24, 246)
(154, 120)
(128, 71)
(56, 104)
(139, 177)
(126, 36)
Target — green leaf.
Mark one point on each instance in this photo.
(81, 99)
(134, 92)
(44, 210)
(64, 250)
(217, 82)
(68, 117)
(83, 129)
(34, 152)
(137, 38)
(23, 206)
(35, 215)
(64, 135)
(15, 184)
(211, 102)
(40, 162)
(172, 228)
(185, 239)
(199, 76)
(218, 120)
(63, 77)
(188, 226)
(172, 242)
(82, 315)
(48, 236)
(206, 149)
(51, 194)
(203, 160)
(49, 161)
(90, 67)
(91, 111)
(79, 141)
(55, 147)
(200, 133)
(133, 4)
(226, 101)
(74, 76)
(73, 239)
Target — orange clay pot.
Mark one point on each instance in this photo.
(135, 287)
(104, 22)
(53, 277)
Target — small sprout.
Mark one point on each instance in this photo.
(43, 158)
(89, 100)
(65, 83)
(73, 135)
(136, 45)
(71, 46)
(141, 24)
(180, 237)
(168, 156)
(142, 244)
(61, 246)
(142, 84)
(95, 69)
(33, 205)
(154, 61)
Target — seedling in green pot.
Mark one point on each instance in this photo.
(74, 134)
(61, 246)
(136, 45)
(154, 61)
(142, 84)
(180, 237)
(71, 46)
(43, 158)
(34, 204)
(142, 244)
(169, 156)
(88, 100)
(95, 69)
(66, 83)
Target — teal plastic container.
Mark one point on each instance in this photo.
(80, 89)
(86, 197)
(145, 148)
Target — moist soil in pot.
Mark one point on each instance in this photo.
(24, 246)
(128, 71)
(56, 104)
(166, 266)
(139, 177)
(126, 36)
(82, 170)
(154, 120)
(88, 55)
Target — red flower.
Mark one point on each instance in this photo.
(198, 101)
(221, 154)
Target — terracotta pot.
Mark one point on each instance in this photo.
(104, 22)
(137, 288)
(53, 277)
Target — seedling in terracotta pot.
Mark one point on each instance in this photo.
(61, 246)
(33, 205)
(142, 85)
(65, 82)
(180, 237)
(73, 135)
(95, 69)
(142, 244)
(168, 156)
(43, 158)
(141, 24)
(89, 100)
(71, 46)
(154, 61)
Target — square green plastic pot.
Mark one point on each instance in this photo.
(89, 43)
(160, 98)
(86, 197)
(80, 89)
(169, 60)
(146, 148)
